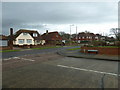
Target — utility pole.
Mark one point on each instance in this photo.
(70, 32)
(76, 35)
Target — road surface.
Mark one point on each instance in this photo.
(54, 71)
(33, 51)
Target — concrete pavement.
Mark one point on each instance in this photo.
(78, 54)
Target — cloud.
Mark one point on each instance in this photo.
(34, 14)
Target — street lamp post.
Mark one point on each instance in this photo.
(70, 33)
(76, 35)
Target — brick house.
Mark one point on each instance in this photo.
(52, 38)
(4, 43)
(87, 37)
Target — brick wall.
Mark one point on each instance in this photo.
(5, 48)
(102, 50)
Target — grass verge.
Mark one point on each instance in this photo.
(73, 49)
(106, 46)
(9, 50)
(109, 46)
(47, 47)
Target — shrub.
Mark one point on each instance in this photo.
(99, 43)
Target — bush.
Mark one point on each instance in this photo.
(99, 43)
(117, 43)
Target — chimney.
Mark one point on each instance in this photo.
(46, 31)
(11, 31)
(11, 38)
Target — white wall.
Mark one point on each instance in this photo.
(25, 37)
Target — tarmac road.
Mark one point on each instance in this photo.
(33, 51)
(55, 71)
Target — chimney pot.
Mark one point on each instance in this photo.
(46, 31)
(11, 31)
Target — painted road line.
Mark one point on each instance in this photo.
(11, 58)
(18, 58)
(7, 59)
(27, 59)
(113, 74)
(15, 58)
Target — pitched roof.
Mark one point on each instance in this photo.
(51, 36)
(38, 38)
(3, 37)
(27, 31)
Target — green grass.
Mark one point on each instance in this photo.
(109, 46)
(47, 47)
(73, 49)
(9, 50)
(106, 46)
(31, 48)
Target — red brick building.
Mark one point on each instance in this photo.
(87, 37)
(52, 38)
(4, 43)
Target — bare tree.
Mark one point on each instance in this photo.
(64, 35)
(116, 32)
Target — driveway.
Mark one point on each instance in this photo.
(55, 71)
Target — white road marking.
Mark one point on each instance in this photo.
(7, 59)
(18, 58)
(11, 58)
(27, 59)
(113, 74)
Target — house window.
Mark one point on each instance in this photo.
(35, 34)
(25, 33)
(29, 40)
(3, 43)
(20, 41)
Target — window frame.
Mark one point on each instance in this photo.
(29, 42)
(25, 33)
(20, 42)
(35, 35)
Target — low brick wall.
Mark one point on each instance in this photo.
(102, 50)
(5, 48)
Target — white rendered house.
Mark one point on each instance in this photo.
(27, 37)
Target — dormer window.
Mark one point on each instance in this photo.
(25, 33)
(35, 34)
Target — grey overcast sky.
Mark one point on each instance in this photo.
(96, 17)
